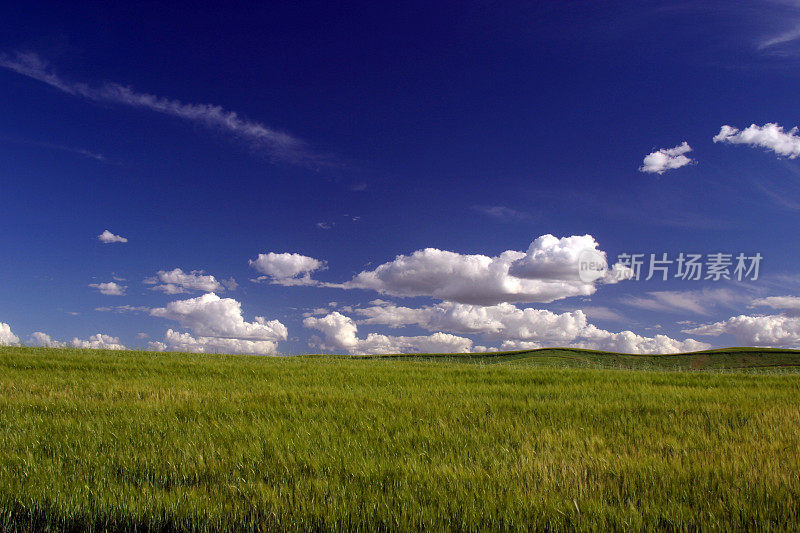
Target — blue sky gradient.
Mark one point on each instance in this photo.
(364, 131)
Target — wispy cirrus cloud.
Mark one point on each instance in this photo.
(780, 39)
(278, 144)
(122, 309)
(790, 305)
(782, 19)
(501, 212)
(85, 153)
(73, 150)
(696, 301)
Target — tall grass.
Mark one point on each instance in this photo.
(103, 440)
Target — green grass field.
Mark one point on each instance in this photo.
(546, 440)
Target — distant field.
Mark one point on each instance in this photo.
(136, 440)
(738, 359)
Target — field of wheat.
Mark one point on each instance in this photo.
(133, 440)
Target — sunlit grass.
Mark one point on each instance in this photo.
(104, 440)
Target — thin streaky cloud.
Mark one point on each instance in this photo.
(694, 301)
(280, 145)
(80, 151)
(782, 38)
(122, 309)
(85, 153)
(501, 212)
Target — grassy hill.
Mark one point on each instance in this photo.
(743, 359)
(165, 442)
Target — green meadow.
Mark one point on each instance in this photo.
(549, 440)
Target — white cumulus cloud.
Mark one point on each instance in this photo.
(512, 328)
(341, 335)
(110, 288)
(503, 320)
(777, 331)
(665, 159)
(630, 342)
(287, 268)
(99, 342)
(508, 346)
(218, 322)
(548, 271)
(108, 237)
(177, 281)
(39, 338)
(185, 342)
(770, 136)
(7, 337)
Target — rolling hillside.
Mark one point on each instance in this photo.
(750, 359)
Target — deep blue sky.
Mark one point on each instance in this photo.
(472, 127)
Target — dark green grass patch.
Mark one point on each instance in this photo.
(739, 359)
